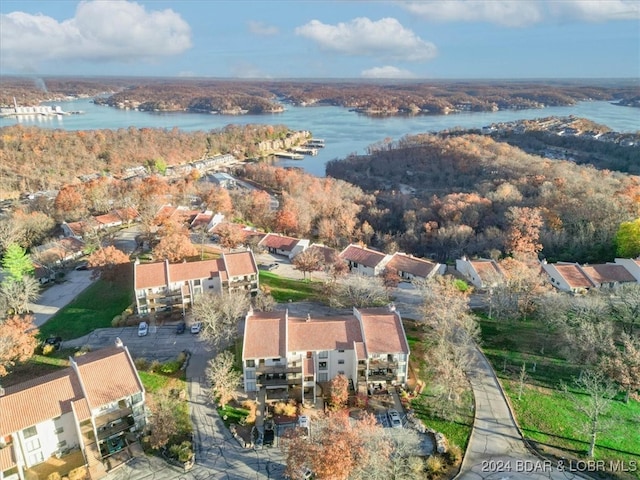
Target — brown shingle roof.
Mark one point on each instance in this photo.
(415, 266)
(362, 255)
(265, 336)
(574, 276)
(323, 334)
(240, 263)
(606, 273)
(107, 375)
(383, 332)
(279, 242)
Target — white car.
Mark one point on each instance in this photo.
(394, 418)
(143, 329)
(196, 327)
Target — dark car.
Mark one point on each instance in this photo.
(55, 341)
(181, 327)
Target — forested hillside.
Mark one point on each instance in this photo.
(33, 158)
(453, 195)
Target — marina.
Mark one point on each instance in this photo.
(289, 155)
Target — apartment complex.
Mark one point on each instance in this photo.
(281, 351)
(93, 409)
(165, 286)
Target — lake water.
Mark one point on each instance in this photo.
(344, 131)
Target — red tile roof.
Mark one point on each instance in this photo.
(608, 273)
(265, 336)
(239, 264)
(7, 459)
(323, 334)
(383, 331)
(574, 276)
(488, 270)
(108, 218)
(362, 255)
(148, 275)
(107, 376)
(279, 242)
(415, 266)
(330, 255)
(180, 272)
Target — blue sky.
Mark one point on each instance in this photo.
(319, 39)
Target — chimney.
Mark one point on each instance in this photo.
(119, 342)
(392, 307)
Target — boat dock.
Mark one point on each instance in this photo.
(289, 155)
(305, 150)
(315, 142)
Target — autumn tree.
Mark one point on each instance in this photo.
(628, 239)
(33, 227)
(390, 278)
(107, 262)
(162, 421)
(308, 261)
(175, 247)
(515, 290)
(17, 294)
(16, 263)
(339, 447)
(219, 314)
(599, 390)
(358, 291)
(230, 235)
(623, 366)
(523, 234)
(70, 204)
(263, 301)
(224, 379)
(338, 392)
(624, 306)
(18, 341)
(218, 199)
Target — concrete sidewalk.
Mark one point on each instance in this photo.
(57, 296)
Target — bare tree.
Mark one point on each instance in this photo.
(358, 291)
(308, 261)
(624, 306)
(225, 380)
(600, 391)
(17, 294)
(623, 366)
(219, 314)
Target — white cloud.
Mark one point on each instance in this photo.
(261, 28)
(385, 38)
(100, 31)
(388, 71)
(520, 13)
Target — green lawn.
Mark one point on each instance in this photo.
(93, 308)
(547, 415)
(285, 289)
(231, 414)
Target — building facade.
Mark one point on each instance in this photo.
(93, 409)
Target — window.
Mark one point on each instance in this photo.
(33, 444)
(197, 282)
(136, 398)
(36, 458)
(340, 351)
(275, 360)
(322, 365)
(340, 372)
(29, 432)
(323, 377)
(59, 430)
(250, 375)
(324, 354)
(340, 362)
(62, 444)
(251, 364)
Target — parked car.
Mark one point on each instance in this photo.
(143, 329)
(196, 327)
(394, 418)
(55, 341)
(181, 327)
(270, 267)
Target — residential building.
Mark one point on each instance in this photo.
(411, 268)
(164, 286)
(365, 261)
(575, 278)
(93, 409)
(280, 351)
(282, 245)
(632, 265)
(482, 273)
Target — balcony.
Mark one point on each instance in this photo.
(380, 364)
(115, 427)
(278, 380)
(277, 369)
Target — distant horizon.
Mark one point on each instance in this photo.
(403, 40)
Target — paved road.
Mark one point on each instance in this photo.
(58, 295)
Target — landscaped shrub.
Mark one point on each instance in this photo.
(79, 473)
(84, 349)
(141, 364)
(48, 349)
(182, 357)
(252, 406)
(361, 400)
(170, 367)
(454, 454)
(53, 476)
(116, 321)
(154, 366)
(183, 452)
(286, 409)
(434, 464)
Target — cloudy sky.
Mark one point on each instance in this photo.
(313, 38)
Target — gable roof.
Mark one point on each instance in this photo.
(487, 270)
(279, 242)
(265, 335)
(574, 276)
(323, 334)
(383, 331)
(410, 264)
(362, 255)
(608, 273)
(329, 254)
(94, 379)
(240, 263)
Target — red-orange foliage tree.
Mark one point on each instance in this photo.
(175, 247)
(390, 278)
(338, 392)
(17, 341)
(523, 235)
(70, 204)
(231, 235)
(310, 260)
(107, 261)
(218, 200)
